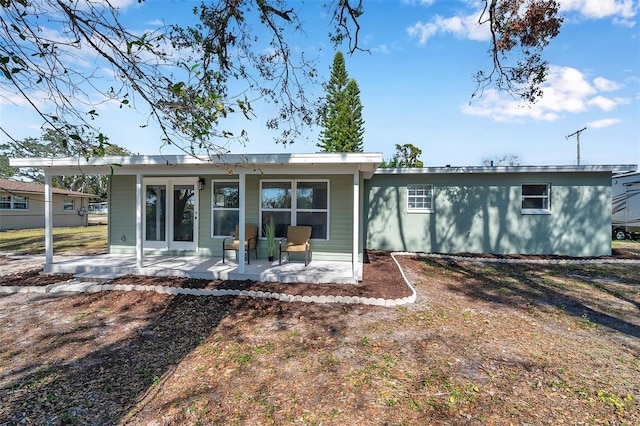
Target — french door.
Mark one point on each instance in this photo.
(171, 213)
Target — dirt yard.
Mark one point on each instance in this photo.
(485, 344)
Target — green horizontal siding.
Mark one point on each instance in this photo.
(122, 215)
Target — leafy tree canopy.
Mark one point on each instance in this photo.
(183, 75)
(406, 156)
(50, 145)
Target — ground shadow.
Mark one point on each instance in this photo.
(106, 385)
(114, 375)
(524, 286)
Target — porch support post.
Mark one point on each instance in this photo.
(139, 204)
(48, 219)
(241, 221)
(356, 224)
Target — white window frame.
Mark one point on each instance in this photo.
(425, 187)
(547, 197)
(294, 200)
(69, 202)
(213, 203)
(169, 243)
(14, 203)
(11, 199)
(7, 199)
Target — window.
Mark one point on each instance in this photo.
(535, 199)
(225, 202)
(296, 203)
(5, 201)
(419, 198)
(69, 204)
(19, 203)
(155, 212)
(15, 202)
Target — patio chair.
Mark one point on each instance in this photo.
(297, 241)
(250, 242)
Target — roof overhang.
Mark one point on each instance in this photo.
(319, 163)
(621, 168)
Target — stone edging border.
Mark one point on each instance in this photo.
(72, 285)
(525, 261)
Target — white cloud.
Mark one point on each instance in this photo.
(466, 27)
(599, 124)
(602, 102)
(605, 85)
(40, 98)
(463, 26)
(622, 11)
(382, 48)
(421, 2)
(566, 90)
(119, 5)
(155, 23)
(607, 104)
(624, 22)
(422, 31)
(116, 4)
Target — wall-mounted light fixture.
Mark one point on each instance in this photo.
(200, 184)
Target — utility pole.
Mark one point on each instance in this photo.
(577, 135)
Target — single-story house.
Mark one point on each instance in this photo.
(186, 206)
(22, 205)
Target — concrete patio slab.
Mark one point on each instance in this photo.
(204, 267)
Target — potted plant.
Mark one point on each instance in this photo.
(270, 233)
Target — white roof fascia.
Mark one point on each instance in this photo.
(211, 169)
(229, 159)
(183, 164)
(509, 169)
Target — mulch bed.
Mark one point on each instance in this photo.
(33, 278)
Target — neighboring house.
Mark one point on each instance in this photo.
(182, 205)
(99, 208)
(22, 205)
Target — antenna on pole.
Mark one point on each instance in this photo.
(577, 135)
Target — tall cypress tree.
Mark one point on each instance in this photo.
(343, 126)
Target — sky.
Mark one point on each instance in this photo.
(416, 84)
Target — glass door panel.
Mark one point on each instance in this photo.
(183, 212)
(170, 214)
(156, 213)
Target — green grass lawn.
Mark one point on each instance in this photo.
(81, 240)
